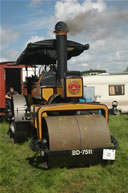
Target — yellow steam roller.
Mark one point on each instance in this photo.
(65, 132)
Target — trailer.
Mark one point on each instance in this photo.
(109, 89)
(13, 76)
(10, 76)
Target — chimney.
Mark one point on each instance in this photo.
(61, 30)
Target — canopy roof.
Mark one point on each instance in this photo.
(44, 52)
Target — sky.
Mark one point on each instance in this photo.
(101, 23)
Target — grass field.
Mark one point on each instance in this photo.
(18, 176)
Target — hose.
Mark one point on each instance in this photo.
(115, 142)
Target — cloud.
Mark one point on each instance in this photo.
(81, 62)
(78, 16)
(103, 26)
(92, 18)
(100, 23)
(34, 39)
(8, 36)
(11, 54)
(71, 9)
(35, 3)
(3, 59)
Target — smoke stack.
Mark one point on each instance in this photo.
(61, 30)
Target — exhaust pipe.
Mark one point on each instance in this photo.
(61, 31)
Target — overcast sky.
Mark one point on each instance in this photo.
(101, 23)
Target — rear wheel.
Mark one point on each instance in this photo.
(19, 126)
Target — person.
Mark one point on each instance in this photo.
(9, 95)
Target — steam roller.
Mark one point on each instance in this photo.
(64, 131)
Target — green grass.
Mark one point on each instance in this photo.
(18, 176)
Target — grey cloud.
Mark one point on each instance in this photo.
(96, 24)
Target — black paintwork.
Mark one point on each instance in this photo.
(44, 52)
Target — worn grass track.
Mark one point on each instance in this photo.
(18, 176)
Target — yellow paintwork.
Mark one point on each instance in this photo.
(46, 93)
(35, 109)
(71, 80)
(60, 91)
(64, 91)
(61, 107)
(35, 118)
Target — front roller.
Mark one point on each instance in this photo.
(74, 140)
(20, 125)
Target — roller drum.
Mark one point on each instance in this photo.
(77, 132)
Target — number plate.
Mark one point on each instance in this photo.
(81, 152)
(109, 154)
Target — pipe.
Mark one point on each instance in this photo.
(61, 30)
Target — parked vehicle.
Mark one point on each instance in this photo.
(110, 89)
(11, 76)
